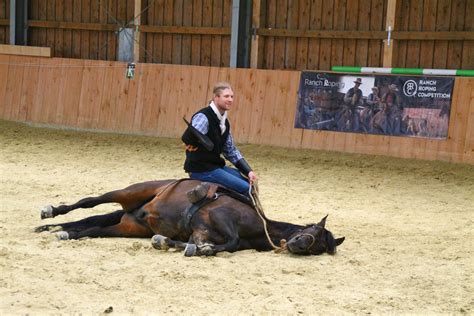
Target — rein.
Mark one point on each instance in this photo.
(253, 193)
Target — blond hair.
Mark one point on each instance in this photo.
(219, 87)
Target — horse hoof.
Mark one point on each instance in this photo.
(190, 250)
(159, 242)
(47, 212)
(62, 235)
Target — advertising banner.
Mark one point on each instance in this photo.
(411, 106)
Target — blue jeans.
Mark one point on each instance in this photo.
(228, 177)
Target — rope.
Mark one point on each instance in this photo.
(253, 193)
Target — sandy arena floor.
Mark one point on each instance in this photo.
(408, 227)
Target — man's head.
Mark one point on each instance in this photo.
(358, 82)
(223, 96)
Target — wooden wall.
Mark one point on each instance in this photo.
(292, 34)
(4, 22)
(435, 16)
(96, 95)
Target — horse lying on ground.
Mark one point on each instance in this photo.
(157, 209)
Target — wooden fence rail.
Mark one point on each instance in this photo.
(96, 95)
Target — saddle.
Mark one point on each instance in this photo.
(204, 194)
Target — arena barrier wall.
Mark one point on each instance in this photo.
(96, 95)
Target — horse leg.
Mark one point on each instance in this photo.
(219, 235)
(161, 242)
(98, 220)
(130, 198)
(129, 226)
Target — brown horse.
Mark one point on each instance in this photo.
(157, 209)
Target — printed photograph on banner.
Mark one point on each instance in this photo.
(375, 104)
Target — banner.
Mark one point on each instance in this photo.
(375, 104)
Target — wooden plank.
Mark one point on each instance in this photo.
(206, 43)
(243, 84)
(166, 122)
(315, 19)
(85, 35)
(94, 35)
(102, 40)
(255, 41)
(152, 107)
(158, 17)
(167, 38)
(457, 24)
(389, 22)
(112, 38)
(429, 24)
(302, 43)
(340, 49)
(74, 83)
(443, 19)
(25, 50)
(216, 40)
(263, 78)
(4, 69)
(468, 46)
(177, 38)
(13, 88)
(50, 16)
(137, 22)
(362, 45)
(76, 35)
(196, 39)
(468, 154)
(284, 111)
(59, 34)
(376, 24)
(279, 45)
(269, 42)
(226, 22)
(124, 111)
(24, 91)
(290, 43)
(50, 98)
(186, 40)
(415, 24)
(112, 88)
(326, 44)
(351, 24)
(67, 34)
(42, 15)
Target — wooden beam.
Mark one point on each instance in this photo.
(25, 50)
(389, 25)
(185, 30)
(428, 36)
(322, 34)
(255, 37)
(433, 36)
(73, 25)
(136, 36)
(4, 22)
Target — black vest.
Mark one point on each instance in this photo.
(202, 159)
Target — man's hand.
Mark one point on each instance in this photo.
(190, 148)
(252, 177)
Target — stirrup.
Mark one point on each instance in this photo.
(198, 193)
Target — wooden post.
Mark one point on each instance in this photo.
(136, 36)
(390, 25)
(255, 37)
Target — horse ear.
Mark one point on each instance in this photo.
(322, 223)
(339, 241)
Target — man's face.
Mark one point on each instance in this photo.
(224, 100)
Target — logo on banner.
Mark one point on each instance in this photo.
(410, 88)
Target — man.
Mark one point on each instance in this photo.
(394, 109)
(354, 98)
(207, 137)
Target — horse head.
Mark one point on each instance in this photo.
(313, 239)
